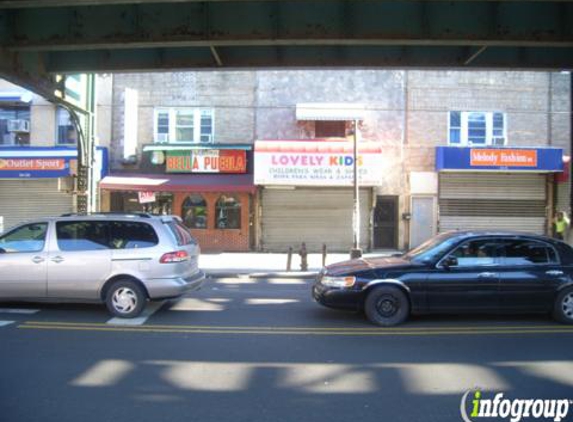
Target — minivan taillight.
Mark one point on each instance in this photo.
(172, 257)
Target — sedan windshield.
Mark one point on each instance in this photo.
(432, 249)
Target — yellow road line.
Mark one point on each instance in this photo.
(285, 332)
(274, 328)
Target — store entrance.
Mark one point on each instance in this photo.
(386, 222)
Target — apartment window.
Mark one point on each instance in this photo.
(476, 128)
(14, 126)
(67, 134)
(328, 129)
(184, 125)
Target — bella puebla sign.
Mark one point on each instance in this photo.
(317, 163)
(206, 161)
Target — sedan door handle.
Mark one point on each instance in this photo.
(57, 259)
(554, 272)
(37, 259)
(486, 275)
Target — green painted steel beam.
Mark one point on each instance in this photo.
(308, 56)
(288, 23)
(18, 4)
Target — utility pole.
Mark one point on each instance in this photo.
(356, 252)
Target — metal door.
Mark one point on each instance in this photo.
(386, 222)
(423, 221)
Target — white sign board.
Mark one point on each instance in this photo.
(317, 163)
(146, 197)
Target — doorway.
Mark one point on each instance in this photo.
(386, 222)
(423, 222)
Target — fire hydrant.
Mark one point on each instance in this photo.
(303, 257)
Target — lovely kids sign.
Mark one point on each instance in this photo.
(316, 163)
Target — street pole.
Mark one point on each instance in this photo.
(355, 252)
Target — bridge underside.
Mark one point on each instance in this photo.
(39, 38)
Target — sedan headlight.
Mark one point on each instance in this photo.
(339, 282)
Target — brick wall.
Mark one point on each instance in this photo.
(230, 94)
(217, 240)
(523, 96)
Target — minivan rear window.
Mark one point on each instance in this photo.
(97, 235)
(180, 233)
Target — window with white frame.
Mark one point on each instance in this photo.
(66, 134)
(476, 128)
(184, 125)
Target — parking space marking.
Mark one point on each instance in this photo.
(149, 310)
(19, 311)
(5, 323)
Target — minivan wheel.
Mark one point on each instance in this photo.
(387, 306)
(563, 308)
(125, 299)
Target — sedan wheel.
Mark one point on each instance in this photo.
(387, 306)
(564, 307)
(125, 299)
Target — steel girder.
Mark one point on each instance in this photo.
(121, 35)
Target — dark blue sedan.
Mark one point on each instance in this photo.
(456, 272)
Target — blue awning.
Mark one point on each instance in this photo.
(16, 96)
(506, 159)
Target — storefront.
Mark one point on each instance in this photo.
(39, 182)
(496, 188)
(210, 189)
(307, 193)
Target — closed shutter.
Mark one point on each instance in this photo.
(22, 200)
(314, 216)
(496, 201)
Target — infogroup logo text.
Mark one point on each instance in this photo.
(515, 410)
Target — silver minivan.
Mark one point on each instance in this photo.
(122, 260)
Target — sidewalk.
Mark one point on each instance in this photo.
(271, 265)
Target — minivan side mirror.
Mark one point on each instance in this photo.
(450, 261)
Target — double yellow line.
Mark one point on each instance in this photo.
(300, 331)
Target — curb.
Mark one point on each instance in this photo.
(259, 274)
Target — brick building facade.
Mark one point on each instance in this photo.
(407, 115)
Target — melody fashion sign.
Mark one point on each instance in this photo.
(504, 157)
(316, 163)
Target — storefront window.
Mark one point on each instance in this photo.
(228, 213)
(194, 212)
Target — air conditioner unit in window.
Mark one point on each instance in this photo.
(18, 125)
(498, 140)
(162, 138)
(66, 184)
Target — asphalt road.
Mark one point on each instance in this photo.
(262, 350)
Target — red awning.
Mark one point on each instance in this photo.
(180, 183)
